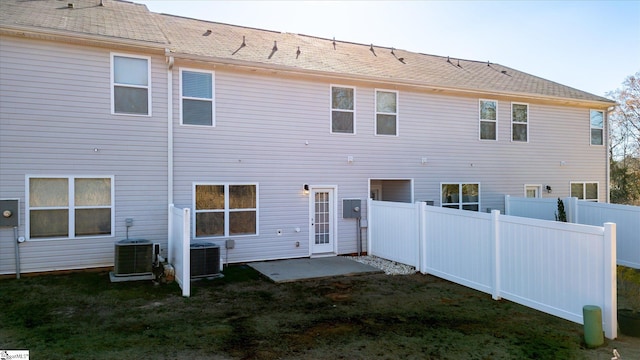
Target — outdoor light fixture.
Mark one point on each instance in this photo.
(548, 189)
(305, 188)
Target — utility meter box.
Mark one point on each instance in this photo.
(9, 212)
(351, 208)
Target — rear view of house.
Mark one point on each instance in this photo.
(109, 113)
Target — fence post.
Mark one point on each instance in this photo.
(571, 207)
(422, 236)
(495, 239)
(186, 252)
(610, 311)
(507, 204)
(370, 221)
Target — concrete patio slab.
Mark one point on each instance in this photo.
(281, 271)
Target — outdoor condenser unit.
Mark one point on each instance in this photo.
(133, 257)
(205, 260)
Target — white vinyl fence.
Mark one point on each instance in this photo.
(179, 247)
(547, 265)
(626, 217)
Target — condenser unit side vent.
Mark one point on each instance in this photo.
(205, 260)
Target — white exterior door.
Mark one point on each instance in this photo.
(322, 213)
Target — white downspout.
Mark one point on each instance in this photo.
(169, 127)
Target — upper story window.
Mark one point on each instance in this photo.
(225, 209)
(585, 190)
(519, 122)
(488, 120)
(197, 93)
(342, 110)
(69, 207)
(130, 85)
(463, 196)
(597, 127)
(386, 112)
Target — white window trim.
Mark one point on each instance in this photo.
(460, 202)
(584, 189)
(480, 120)
(331, 109)
(602, 128)
(213, 96)
(537, 186)
(71, 208)
(226, 209)
(515, 122)
(375, 108)
(113, 84)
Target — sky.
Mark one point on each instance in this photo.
(589, 45)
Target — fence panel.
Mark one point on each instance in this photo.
(179, 247)
(393, 231)
(459, 246)
(536, 208)
(553, 267)
(627, 220)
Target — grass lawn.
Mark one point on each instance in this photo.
(243, 316)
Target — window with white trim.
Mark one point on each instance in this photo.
(584, 190)
(343, 103)
(488, 120)
(519, 122)
(69, 207)
(386, 112)
(196, 97)
(130, 84)
(597, 127)
(223, 210)
(463, 196)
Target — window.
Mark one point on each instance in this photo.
(196, 93)
(130, 85)
(342, 110)
(597, 127)
(585, 190)
(226, 209)
(386, 112)
(519, 122)
(69, 207)
(532, 191)
(488, 120)
(461, 196)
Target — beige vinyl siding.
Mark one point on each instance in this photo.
(54, 111)
(263, 123)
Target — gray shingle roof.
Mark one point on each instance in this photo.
(222, 43)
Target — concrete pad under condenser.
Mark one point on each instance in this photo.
(316, 268)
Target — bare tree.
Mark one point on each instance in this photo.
(624, 140)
